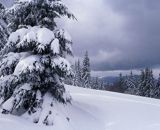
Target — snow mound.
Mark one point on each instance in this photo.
(95, 110)
(55, 46)
(28, 64)
(45, 36)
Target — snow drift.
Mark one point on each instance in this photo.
(96, 110)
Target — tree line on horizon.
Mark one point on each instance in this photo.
(82, 75)
(141, 85)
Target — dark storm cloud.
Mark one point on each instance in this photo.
(119, 34)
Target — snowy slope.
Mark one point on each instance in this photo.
(96, 110)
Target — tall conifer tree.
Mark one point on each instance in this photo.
(34, 60)
(3, 27)
(86, 76)
(146, 85)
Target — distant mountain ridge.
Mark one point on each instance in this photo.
(109, 79)
(113, 79)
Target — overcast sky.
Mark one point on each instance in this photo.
(119, 34)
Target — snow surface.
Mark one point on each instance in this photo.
(96, 110)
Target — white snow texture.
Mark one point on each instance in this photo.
(95, 110)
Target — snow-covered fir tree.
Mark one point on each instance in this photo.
(141, 84)
(151, 82)
(86, 76)
(146, 85)
(69, 80)
(157, 88)
(131, 84)
(119, 85)
(78, 74)
(102, 85)
(97, 83)
(121, 81)
(34, 61)
(78, 79)
(3, 27)
(75, 74)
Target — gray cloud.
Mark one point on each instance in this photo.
(119, 34)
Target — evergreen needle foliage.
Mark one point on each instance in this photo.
(34, 63)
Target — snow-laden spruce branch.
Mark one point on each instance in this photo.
(34, 62)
